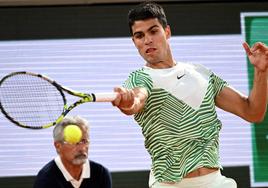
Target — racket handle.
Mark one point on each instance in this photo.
(105, 97)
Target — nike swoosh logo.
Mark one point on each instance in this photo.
(179, 77)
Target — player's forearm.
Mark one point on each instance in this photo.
(257, 100)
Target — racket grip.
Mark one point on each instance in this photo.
(105, 97)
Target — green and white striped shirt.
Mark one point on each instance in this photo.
(179, 120)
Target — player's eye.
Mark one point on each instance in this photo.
(138, 35)
(154, 31)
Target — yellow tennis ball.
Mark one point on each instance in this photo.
(72, 134)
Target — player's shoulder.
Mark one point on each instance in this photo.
(139, 73)
(196, 67)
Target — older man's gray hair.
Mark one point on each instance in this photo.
(69, 120)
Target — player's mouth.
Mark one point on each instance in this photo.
(150, 50)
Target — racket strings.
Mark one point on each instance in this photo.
(30, 100)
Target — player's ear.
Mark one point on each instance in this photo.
(168, 32)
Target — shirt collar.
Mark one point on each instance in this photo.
(67, 175)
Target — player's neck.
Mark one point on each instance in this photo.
(167, 62)
(162, 64)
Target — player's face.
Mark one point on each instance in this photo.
(74, 154)
(151, 40)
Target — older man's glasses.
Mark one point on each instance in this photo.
(81, 142)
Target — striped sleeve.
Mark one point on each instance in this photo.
(139, 79)
(218, 84)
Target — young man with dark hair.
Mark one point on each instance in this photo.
(175, 105)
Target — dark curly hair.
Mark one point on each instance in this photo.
(147, 10)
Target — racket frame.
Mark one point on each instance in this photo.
(66, 109)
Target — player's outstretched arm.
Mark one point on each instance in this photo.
(253, 107)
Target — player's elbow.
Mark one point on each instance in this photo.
(128, 113)
(255, 113)
(257, 120)
(257, 117)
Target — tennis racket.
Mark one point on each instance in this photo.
(35, 101)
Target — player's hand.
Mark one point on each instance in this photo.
(124, 99)
(258, 55)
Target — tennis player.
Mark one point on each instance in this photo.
(71, 168)
(175, 105)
